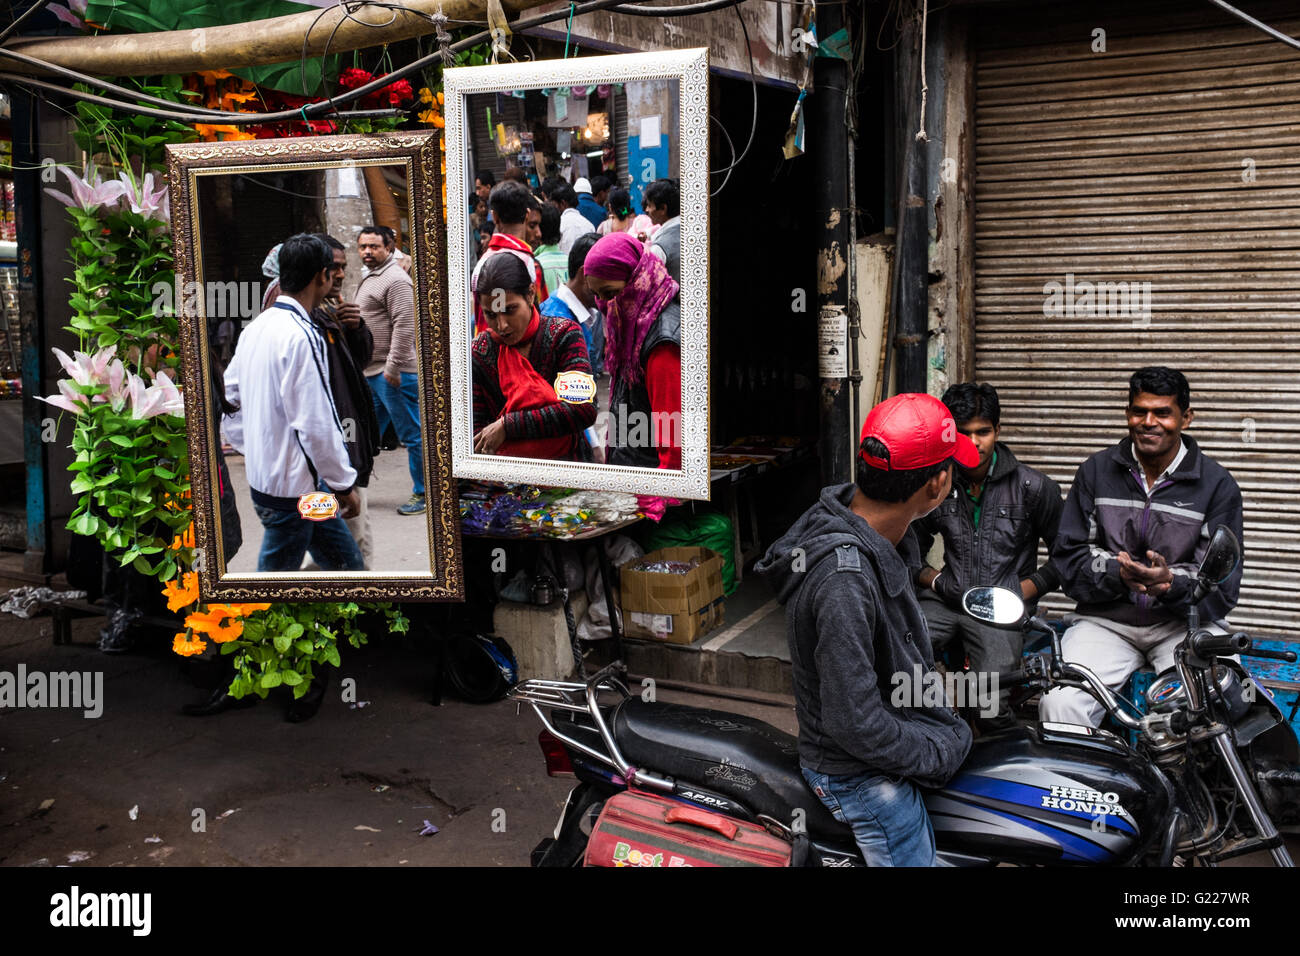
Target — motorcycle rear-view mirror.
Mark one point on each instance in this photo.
(1221, 557)
(996, 606)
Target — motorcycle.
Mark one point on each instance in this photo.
(1215, 762)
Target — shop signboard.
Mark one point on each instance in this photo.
(770, 27)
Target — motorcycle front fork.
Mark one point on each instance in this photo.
(1258, 815)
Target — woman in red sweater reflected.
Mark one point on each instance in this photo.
(643, 357)
(517, 361)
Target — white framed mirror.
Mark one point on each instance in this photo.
(579, 333)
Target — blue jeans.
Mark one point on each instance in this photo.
(287, 536)
(402, 408)
(888, 816)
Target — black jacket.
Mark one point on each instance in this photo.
(1107, 512)
(350, 351)
(854, 626)
(1019, 507)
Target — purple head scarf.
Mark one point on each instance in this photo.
(620, 257)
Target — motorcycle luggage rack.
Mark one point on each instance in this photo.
(562, 695)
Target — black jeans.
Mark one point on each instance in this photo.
(989, 650)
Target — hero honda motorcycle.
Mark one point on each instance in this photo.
(1214, 766)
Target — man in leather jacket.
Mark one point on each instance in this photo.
(990, 524)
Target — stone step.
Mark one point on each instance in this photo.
(691, 664)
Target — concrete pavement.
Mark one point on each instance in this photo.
(351, 787)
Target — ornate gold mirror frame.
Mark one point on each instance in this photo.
(418, 154)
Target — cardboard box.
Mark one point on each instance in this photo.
(676, 608)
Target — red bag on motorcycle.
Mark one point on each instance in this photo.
(642, 829)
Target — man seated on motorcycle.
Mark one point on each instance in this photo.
(855, 629)
(991, 525)
(1135, 527)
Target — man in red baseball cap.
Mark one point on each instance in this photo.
(858, 639)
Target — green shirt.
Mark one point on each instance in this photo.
(975, 499)
(555, 266)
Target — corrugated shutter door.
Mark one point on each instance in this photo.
(1171, 159)
(620, 135)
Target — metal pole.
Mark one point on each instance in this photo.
(911, 266)
(27, 205)
(828, 150)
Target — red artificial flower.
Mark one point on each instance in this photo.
(399, 92)
(352, 77)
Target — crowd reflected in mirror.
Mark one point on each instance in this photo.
(574, 286)
(322, 464)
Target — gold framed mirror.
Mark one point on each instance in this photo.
(311, 301)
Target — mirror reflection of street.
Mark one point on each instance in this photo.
(399, 542)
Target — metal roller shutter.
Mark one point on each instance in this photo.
(1136, 166)
(620, 135)
(505, 109)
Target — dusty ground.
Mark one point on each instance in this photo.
(299, 791)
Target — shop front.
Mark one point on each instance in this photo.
(1135, 204)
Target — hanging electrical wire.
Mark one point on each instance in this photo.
(753, 125)
(169, 110)
(1242, 15)
(921, 136)
(331, 103)
(104, 84)
(22, 18)
(688, 9)
(311, 110)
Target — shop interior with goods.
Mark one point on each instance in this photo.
(763, 412)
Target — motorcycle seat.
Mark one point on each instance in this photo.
(737, 756)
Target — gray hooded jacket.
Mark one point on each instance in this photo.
(856, 631)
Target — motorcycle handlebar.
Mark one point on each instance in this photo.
(1206, 644)
(1086, 680)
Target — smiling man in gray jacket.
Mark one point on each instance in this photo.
(855, 631)
(1135, 527)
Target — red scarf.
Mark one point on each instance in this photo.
(499, 242)
(524, 389)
